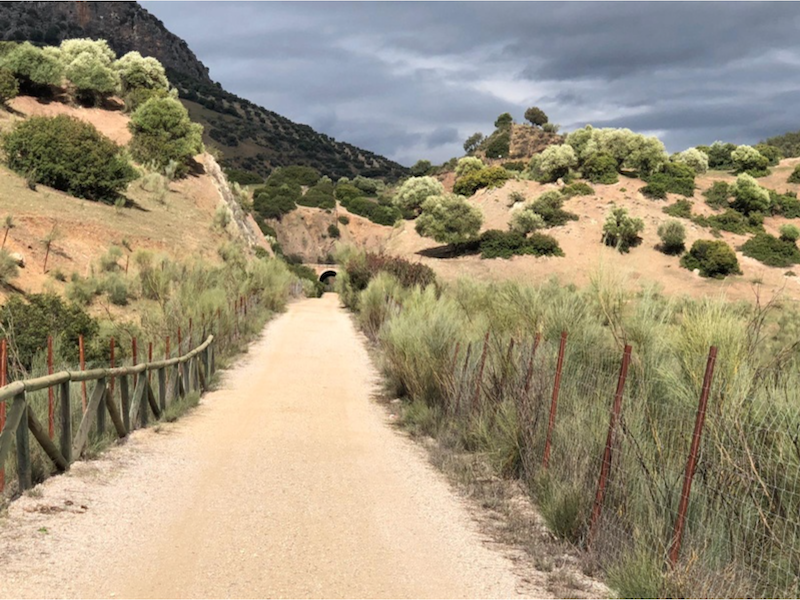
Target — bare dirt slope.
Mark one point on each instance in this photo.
(284, 483)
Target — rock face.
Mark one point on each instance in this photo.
(126, 25)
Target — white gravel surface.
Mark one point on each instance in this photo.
(286, 482)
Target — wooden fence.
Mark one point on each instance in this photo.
(175, 377)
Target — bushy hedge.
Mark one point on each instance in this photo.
(505, 244)
(489, 177)
(70, 155)
(771, 251)
(712, 258)
(675, 177)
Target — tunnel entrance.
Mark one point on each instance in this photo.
(327, 277)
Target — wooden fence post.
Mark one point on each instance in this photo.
(66, 421)
(691, 463)
(83, 367)
(162, 388)
(597, 509)
(112, 380)
(51, 403)
(554, 403)
(23, 449)
(125, 402)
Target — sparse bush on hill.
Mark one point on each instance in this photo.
(747, 159)
(375, 212)
(784, 204)
(536, 116)
(712, 258)
(718, 195)
(579, 188)
(674, 177)
(370, 187)
(600, 168)
(748, 196)
(9, 86)
(344, 219)
(514, 165)
(694, 158)
(621, 230)
(525, 221)
(69, 155)
(681, 209)
(733, 221)
(414, 191)
(9, 268)
(771, 153)
(449, 219)
(790, 233)
(116, 288)
(505, 244)
(673, 237)
(553, 163)
(795, 176)
(549, 206)
(467, 165)
(489, 177)
(772, 251)
(162, 132)
(787, 144)
(333, 231)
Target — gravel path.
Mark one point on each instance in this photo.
(286, 482)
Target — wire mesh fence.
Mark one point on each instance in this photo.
(690, 470)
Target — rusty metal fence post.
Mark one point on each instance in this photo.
(554, 403)
(691, 463)
(597, 509)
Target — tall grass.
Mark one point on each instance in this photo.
(743, 528)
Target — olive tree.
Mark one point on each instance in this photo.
(536, 116)
(34, 67)
(414, 191)
(748, 196)
(138, 72)
(554, 162)
(88, 68)
(693, 157)
(449, 219)
(468, 164)
(162, 132)
(525, 220)
(746, 158)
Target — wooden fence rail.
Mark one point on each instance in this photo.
(175, 377)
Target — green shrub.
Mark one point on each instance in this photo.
(320, 195)
(468, 164)
(771, 251)
(600, 168)
(733, 221)
(717, 196)
(449, 219)
(788, 144)
(514, 165)
(92, 77)
(140, 73)
(9, 86)
(549, 207)
(749, 197)
(525, 221)
(82, 291)
(377, 213)
(117, 289)
(28, 322)
(621, 230)
(243, 177)
(109, 262)
(579, 188)
(344, 219)
(162, 133)
(370, 187)
(638, 576)
(516, 197)
(35, 68)
(693, 157)
(790, 233)
(747, 159)
(497, 145)
(8, 267)
(675, 177)
(719, 155)
(673, 237)
(273, 204)
(795, 176)
(553, 163)
(681, 209)
(69, 155)
(414, 191)
(785, 204)
(771, 153)
(505, 244)
(489, 177)
(333, 231)
(712, 258)
(420, 168)
(657, 190)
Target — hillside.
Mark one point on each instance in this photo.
(178, 224)
(248, 136)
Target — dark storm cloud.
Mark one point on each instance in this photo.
(413, 80)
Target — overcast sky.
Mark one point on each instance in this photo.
(413, 80)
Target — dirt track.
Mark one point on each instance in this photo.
(286, 482)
